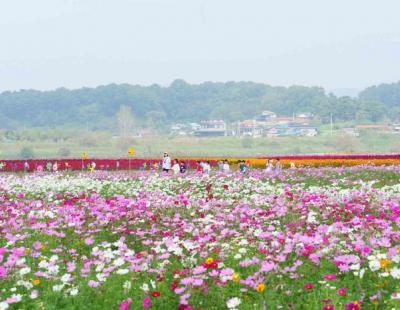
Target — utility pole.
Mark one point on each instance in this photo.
(331, 125)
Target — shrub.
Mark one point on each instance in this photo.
(26, 152)
(64, 152)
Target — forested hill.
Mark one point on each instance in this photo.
(185, 102)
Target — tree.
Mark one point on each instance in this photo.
(157, 120)
(26, 152)
(125, 121)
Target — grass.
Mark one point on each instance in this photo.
(194, 146)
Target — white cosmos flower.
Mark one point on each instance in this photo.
(101, 277)
(3, 305)
(43, 264)
(118, 262)
(122, 271)
(24, 271)
(374, 265)
(145, 287)
(233, 302)
(127, 285)
(99, 267)
(58, 288)
(34, 294)
(395, 273)
(74, 291)
(53, 270)
(66, 278)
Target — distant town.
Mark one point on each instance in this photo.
(269, 124)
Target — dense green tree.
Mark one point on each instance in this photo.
(96, 108)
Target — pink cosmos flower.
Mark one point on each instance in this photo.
(341, 291)
(93, 283)
(124, 305)
(147, 302)
(353, 306)
(71, 266)
(3, 272)
(37, 245)
(308, 286)
(330, 277)
(89, 241)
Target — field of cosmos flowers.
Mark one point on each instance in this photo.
(307, 238)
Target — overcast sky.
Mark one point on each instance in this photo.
(45, 44)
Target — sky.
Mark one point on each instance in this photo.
(46, 44)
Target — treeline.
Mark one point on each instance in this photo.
(156, 106)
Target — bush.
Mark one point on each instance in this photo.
(64, 152)
(26, 152)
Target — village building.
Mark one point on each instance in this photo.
(211, 128)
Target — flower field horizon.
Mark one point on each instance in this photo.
(317, 237)
(306, 160)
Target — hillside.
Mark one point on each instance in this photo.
(155, 105)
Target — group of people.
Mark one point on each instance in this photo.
(166, 165)
(270, 166)
(175, 166)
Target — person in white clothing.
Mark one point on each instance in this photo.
(278, 166)
(269, 166)
(55, 167)
(225, 166)
(166, 163)
(176, 167)
(207, 167)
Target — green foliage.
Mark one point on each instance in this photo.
(247, 142)
(26, 152)
(64, 152)
(96, 108)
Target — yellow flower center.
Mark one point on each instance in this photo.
(260, 287)
(35, 281)
(209, 260)
(236, 277)
(385, 262)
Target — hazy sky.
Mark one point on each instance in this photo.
(45, 44)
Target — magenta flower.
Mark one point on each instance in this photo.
(308, 286)
(330, 277)
(147, 302)
(353, 306)
(3, 272)
(124, 305)
(341, 291)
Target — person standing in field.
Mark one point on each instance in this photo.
(182, 167)
(225, 167)
(199, 166)
(166, 163)
(26, 166)
(176, 168)
(207, 167)
(55, 167)
(278, 166)
(270, 166)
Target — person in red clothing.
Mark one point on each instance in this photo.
(199, 166)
